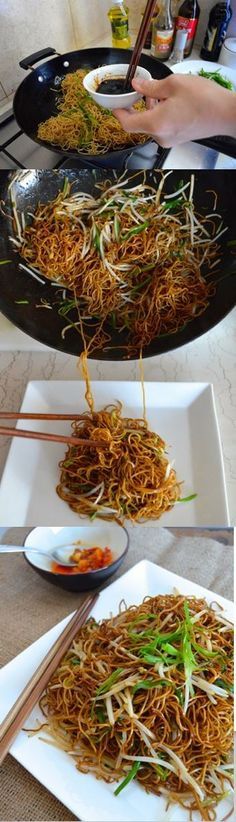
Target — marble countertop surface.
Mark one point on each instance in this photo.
(211, 358)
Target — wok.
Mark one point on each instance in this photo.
(35, 99)
(20, 294)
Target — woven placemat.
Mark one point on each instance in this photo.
(29, 606)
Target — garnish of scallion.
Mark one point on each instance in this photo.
(131, 775)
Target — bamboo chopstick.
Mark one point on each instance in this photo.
(40, 435)
(26, 701)
(14, 415)
(140, 40)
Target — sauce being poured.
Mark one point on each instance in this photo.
(115, 85)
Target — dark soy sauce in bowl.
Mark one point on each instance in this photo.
(115, 85)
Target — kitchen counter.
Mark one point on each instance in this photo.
(208, 359)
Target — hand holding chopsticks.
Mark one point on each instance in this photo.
(26, 701)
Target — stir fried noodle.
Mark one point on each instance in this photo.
(139, 261)
(82, 125)
(131, 477)
(148, 695)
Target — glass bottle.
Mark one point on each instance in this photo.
(163, 31)
(187, 20)
(219, 19)
(175, 4)
(119, 19)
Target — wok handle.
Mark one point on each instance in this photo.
(28, 62)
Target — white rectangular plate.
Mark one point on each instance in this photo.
(89, 799)
(183, 414)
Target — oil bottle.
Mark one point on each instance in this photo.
(119, 19)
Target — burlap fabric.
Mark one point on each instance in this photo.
(29, 606)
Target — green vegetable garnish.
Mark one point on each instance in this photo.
(96, 239)
(66, 187)
(22, 302)
(217, 77)
(65, 307)
(131, 775)
(180, 696)
(186, 499)
(172, 204)
(109, 682)
(137, 230)
(3, 262)
(100, 715)
(188, 657)
(162, 772)
(203, 651)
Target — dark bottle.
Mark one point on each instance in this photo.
(187, 20)
(218, 22)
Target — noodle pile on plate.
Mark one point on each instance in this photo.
(148, 695)
(82, 124)
(139, 261)
(131, 477)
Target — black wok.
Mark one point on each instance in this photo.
(20, 294)
(35, 99)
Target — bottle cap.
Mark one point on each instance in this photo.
(180, 38)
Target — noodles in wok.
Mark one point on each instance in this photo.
(82, 125)
(137, 260)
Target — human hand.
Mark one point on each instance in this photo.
(181, 108)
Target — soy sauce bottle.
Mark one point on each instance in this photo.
(163, 31)
(219, 18)
(187, 20)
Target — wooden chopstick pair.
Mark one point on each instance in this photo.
(146, 19)
(26, 701)
(40, 435)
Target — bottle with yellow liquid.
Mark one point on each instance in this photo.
(119, 19)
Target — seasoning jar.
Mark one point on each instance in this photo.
(179, 45)
(163, 31)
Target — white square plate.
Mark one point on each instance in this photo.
(182, 413)
(89, 799)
